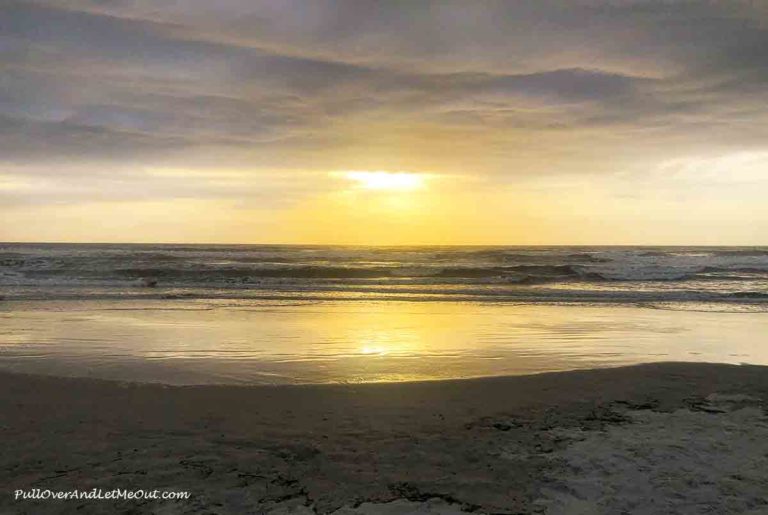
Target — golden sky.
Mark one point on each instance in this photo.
(362, 122)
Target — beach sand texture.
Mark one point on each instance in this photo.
(662, 438)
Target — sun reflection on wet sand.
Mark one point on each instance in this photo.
(242, 342)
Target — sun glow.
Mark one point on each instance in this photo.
(398, 181)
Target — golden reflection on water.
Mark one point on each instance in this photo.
(199, 342)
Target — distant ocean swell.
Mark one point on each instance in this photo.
(523, 274)
(516, 273)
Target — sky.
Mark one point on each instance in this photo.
(384, 122)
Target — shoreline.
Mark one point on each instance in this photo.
(487, 445)
(564, 297)
(7, 375)
(360, 342)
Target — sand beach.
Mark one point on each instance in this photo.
(659, 438)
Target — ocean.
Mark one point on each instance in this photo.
(278, 314)
(726, 278)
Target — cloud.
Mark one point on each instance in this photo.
(491, 88)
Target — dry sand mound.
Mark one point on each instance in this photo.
(709, 458)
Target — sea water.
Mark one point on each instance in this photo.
(191, 314)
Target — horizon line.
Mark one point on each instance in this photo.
(378, 244)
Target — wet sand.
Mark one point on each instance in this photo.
(661, 438)
(186, 342)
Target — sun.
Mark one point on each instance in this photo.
(393, 181)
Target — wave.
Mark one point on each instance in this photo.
(738, 269)
(748, 295)
(585, 257)
(755, 301)
(451, 271)
(12, 262)
(499, 255)
(741, 252)
(506, 256)
(637, 275)
(540, 270)
(523, 274)
(528, 272)
(305, 272)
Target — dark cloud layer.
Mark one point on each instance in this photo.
(321, 84)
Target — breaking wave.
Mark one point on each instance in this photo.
(521, 273)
